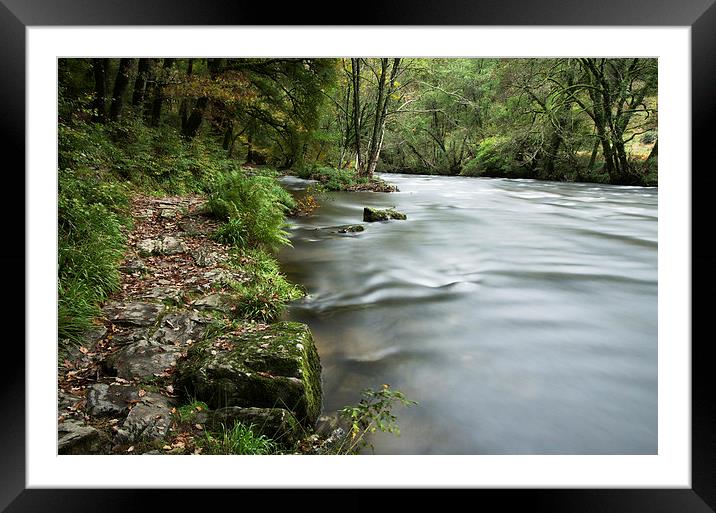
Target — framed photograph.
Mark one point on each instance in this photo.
(651, 450)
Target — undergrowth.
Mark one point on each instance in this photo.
(238, 439)
(253, 208)
(264, 297)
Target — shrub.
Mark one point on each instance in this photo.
(264, 297)
(493, 156)
(332, 179)
(238, 439)
(373, 413)
(254, 208)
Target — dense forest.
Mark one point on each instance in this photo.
(556, 119)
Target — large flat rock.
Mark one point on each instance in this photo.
(110, 399)
(277, 367)
(143, 359)
(133, 313)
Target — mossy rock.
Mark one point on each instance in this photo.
(275, 367)
(372, 215)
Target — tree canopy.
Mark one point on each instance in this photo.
(583, 119)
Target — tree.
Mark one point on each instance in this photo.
(158, 101)
(617, 89)
(120, 87)
(99, 70)
(140, 82)
(385, 88)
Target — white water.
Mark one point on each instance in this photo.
(522, 315)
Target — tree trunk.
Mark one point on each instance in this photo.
(99, 69)
(120, 87)
(355, 75)
(184, 107)
(191, 127)
(193, 123)
(593, 157)
(228, 135)
(384, 94)
(159, 94)
(140, 83)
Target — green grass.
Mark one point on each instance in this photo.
(187, 412)
(253, 207)
(263, 298)
(91, 213)
(239, 440)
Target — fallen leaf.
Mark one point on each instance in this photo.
(142, 392)
(131, 448)
(170, 389)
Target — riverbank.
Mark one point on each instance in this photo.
(167, 282)
(145, 379)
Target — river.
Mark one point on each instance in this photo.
(521, 315)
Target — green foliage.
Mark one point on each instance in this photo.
(90, 245)
(264, 296)
(373, 413)
(238, 440)
(332, 179)
(188, 412)
(494, 155)
(253, 207)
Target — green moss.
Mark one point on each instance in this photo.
(273, 367)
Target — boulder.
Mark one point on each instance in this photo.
(351, 228)
(277, 424)
(164, 246)
(171, 246)
(74, 437)
(180, 329)
(133, 266)
(110, 399)
(277, 367)
(143, 359)
(219, 302)
(371, 215)
(150, 419)
(224, 277)
(167, 293)
(133, 313)
(168, 213)
(204, 257)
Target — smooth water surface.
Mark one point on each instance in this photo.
(521, 315)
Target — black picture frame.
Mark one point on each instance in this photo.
(17, 15)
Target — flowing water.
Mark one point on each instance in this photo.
(521, 315)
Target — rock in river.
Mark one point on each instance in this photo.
(371, 215)
(277, 367)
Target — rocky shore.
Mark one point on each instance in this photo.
(172, 356)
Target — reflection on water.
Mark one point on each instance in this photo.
(522, 315)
